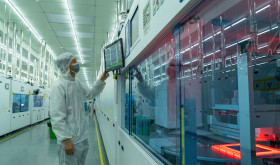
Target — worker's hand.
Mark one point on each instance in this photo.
(69, 147)
(104, 76)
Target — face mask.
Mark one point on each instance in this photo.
(76, 68)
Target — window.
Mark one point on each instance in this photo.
(134, 27)
(38, 101)
(218, 98)
(20, 103)
(10, 43)
(24, 53)
(153, 115)
(18, 48)
(1, 37)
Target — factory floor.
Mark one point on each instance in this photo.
(32, 146)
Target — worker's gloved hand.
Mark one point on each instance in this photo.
(104, 76)
(69, 147)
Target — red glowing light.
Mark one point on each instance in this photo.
(225, 149)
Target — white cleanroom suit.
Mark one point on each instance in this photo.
(68, 116)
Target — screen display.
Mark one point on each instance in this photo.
(113, 56)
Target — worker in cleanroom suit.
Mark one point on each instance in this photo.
(68, 116)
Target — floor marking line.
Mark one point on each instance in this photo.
(19, 133)
(100, 153)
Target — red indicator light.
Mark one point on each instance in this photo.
(227, 150)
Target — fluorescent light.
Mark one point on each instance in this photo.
(231, 45)
(157, 67)
(75, 36)
(191, 62)
(244, 39)
(86, 76)
(264, 32)
(227, 27)
(51, 52)
(195, 45)
(262, 9)
(260, 57)
(210, 54)
(25, 21)
(243, 19)
(263, 47)
(185, 50)
(219, 32)
(207, 39)
(274, 28)
(262, 63)
(74, 31)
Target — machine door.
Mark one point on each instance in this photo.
(5, 111)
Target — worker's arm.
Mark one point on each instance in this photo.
(58, 113)
(97, 87)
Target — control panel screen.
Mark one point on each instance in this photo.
(113, 56)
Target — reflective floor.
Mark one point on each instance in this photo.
(33, 147)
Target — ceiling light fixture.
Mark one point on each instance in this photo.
(85, 76)
(26, 22)
(263, 47)
(262, 9)
(74, 31)
(238, 22)
(75, 37)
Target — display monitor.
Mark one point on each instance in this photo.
(113, 56)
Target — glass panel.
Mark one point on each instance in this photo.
(24, 65)
(20, 103)
(11, 40)
(154, 116)
(24, 53)
(38, 101)
(24, 103)
(126, 103)
(16, 103)
(217, 100)
(229, 85)
(18, 49)
(134, 27)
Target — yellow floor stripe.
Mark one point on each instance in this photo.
(18, 133)
(100, 153)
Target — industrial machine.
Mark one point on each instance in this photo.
(21, 102)
(5, 105)
(46, 104)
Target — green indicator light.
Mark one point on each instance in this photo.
(153, 7)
